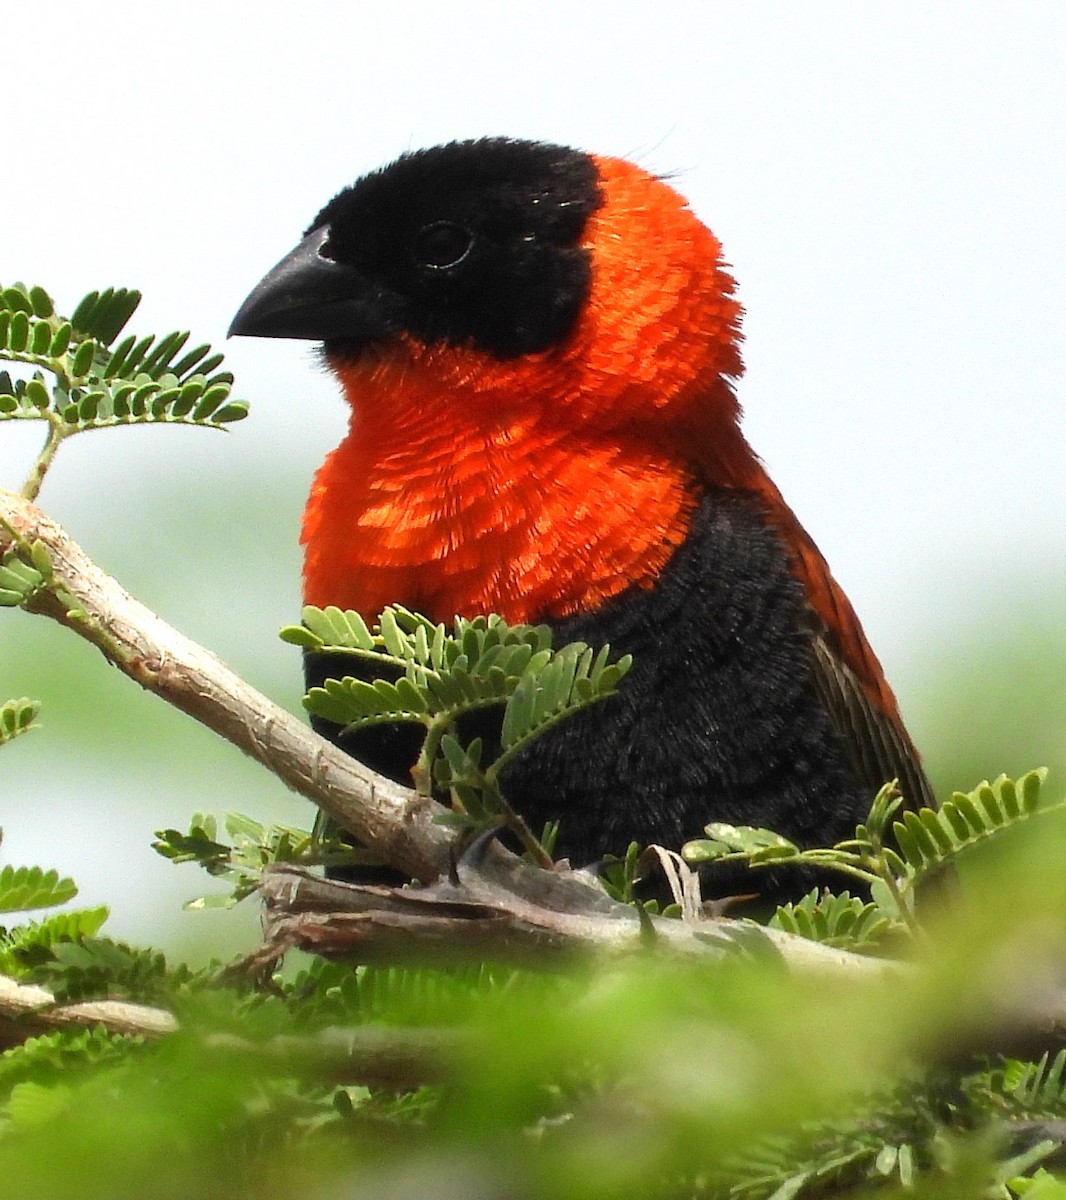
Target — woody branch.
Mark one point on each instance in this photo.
(494, 905)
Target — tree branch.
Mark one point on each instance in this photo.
(390, 818)
(27, 1011)
(493, 904)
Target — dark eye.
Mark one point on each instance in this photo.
(442, 244)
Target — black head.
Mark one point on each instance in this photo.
(474, 242)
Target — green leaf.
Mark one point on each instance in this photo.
(37, 394)
(1030, 785)
(189, 393)
(236, 410)
(20, 578)
(17, 299)
(937, 831)
(103, 315)
(461, 760)
(61, 340)
(840, 920)
(137, 355)
(41, 302)
(82, 361)
(89, 407)
(23, 888)
(18, 333)
(163, 354)
(923, 847)
(190, 362)
(989, 801)
(116, 364)
(17, 717)
(210, 364)
(1008, 795)
(299, 635)
(395, 642)
(209, 401)
(198, 845)
(930, 838)
(24, 943)
(412, 699)
(724, 838)
(40, 337)
(338, 630)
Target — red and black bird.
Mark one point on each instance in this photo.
(539, 347)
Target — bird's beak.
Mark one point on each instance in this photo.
(308, 295)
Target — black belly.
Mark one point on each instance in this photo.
(719, 719)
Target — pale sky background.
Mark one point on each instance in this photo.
(889, 183)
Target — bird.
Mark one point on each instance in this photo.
(540, 347)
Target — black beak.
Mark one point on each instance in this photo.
(310, 296)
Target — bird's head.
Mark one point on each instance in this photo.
(500, 274)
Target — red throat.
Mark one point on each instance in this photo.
(511, 519)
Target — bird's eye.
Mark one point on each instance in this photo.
(443, 244)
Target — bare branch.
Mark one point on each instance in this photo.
(501, 909)
(392, 819)
(27, 1011)
(489, 905)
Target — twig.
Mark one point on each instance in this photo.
(27, 1011)
(501, 909)
(491, 904)
(380, 813)
(499, 905)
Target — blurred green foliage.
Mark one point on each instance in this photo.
(650, 1077)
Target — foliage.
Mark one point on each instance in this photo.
(24, 572)
(24, 888)
(17, 717)
(96, 384)
(635, 1082)
(30, 889)
(441, 677)
(840, 919)
(656, 1078)
(241, 862)
(929, 843)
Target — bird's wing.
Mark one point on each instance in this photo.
(879, 747)
(848, 673)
